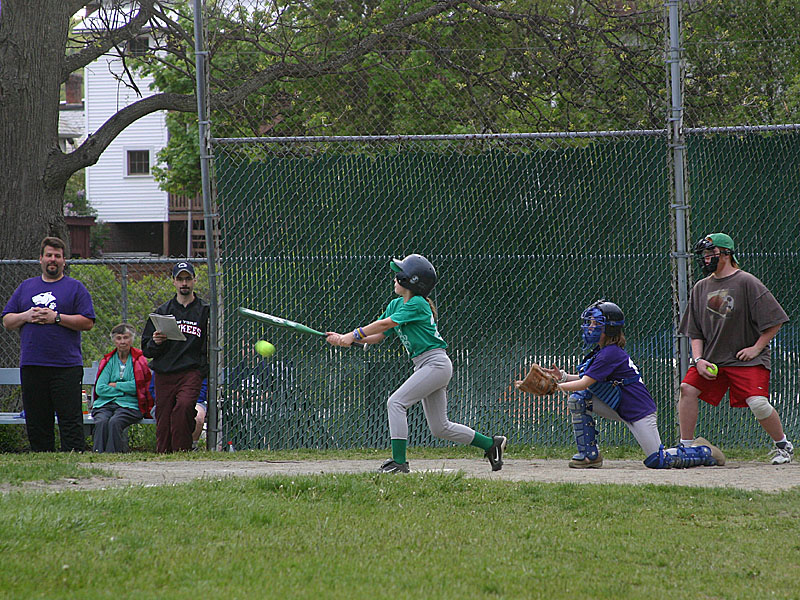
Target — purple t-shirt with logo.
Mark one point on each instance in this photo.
(612, 363)
(51, 345)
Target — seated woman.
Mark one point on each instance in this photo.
(121, 393)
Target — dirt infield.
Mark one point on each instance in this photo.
(760, 476)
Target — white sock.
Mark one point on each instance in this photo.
(687, 442)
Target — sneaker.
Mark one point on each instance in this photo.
(716, 453)
(495, 453)
(392, 467)
(781, 456)
(586, 463)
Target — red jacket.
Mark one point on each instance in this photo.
(141, 375)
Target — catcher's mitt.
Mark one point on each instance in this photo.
(537, 382)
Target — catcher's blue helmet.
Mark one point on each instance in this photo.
(598, 318)
(415, 272)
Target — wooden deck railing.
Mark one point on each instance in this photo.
(185, 203)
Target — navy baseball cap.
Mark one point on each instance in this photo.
(182, 266)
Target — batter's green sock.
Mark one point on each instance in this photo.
(481, 441)
(399, 450)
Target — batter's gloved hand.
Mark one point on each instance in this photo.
(537, 382)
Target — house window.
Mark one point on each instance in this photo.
(138, 46)
(138, 162)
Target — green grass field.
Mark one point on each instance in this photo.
(376, 536)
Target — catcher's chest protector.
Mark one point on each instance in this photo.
(609, 392)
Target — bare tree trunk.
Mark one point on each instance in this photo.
(32, 45)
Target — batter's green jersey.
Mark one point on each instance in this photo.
(416, 327)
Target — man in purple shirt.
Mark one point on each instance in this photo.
(50, 312)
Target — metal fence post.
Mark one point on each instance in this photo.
(201, 57)
(679, 199)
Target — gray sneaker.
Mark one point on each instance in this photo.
(576, 462)
(781, 456)
(393, 467)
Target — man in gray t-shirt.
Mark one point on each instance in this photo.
(731, 319)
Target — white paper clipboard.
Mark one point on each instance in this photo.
(167, 325)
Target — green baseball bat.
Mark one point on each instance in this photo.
(277, 321)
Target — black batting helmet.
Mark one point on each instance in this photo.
(416, 273)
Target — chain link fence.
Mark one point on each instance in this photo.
(525, 229)
(386, 68)
(525, 232)
(122, 290)
(389, 68)
(747, 184)
(741, 62)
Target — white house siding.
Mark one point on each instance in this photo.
(116, 196)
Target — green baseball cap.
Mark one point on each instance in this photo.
(721, 240)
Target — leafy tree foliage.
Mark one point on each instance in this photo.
(338, 67)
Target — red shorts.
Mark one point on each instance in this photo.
(744, 382)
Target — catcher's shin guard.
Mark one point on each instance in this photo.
(658, 460)
(683, 458)
(585, 433)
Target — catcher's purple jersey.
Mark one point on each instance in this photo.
(612, 363)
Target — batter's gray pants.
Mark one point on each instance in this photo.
(645, 430)
(432, 373)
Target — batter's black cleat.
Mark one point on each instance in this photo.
(392, 467)
(495, 453)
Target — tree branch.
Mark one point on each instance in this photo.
(61, 166)
(334, 64)
(108, 39)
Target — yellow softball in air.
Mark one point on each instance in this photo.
(264, 348)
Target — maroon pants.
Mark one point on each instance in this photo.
(176, 396)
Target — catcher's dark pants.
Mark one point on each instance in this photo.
(176, 396)
(47, 391)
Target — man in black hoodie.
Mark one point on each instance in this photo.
(179, 366)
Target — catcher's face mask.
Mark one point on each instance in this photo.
(599, 318)
(707, 255)
(592, 326)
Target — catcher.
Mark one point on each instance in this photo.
(608, 384)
